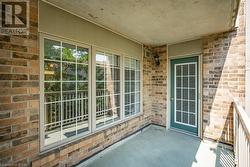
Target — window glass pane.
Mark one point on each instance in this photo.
(178, 93)
(132, 86)
(185, 69)
(178, 116)
(185, 94)
(133, 63)
(178, 82)
(185, 117)
(82, 90)
(192, 94)
(69, 118)
(100, 58)
(82, 72)
(66, 75)
(132, 98)
(192, 82)
(178, 70)
(127, 75)
(100, 73)
(132, 75)
(68, 52)
(138, 65)
(127, 62)
(137, 75)
(108, 116)
(137, 98)
(52, 49)
(82, 55)
(109, 59)
(52, 87)
(116, 87)
(69, 90)
(117, 114)
(132, 108)
(68, 71)
(127, 99)
(127, 110)
(52, 71)
(192, 119)
(185, 105)
(115, 74)
(127, 87)
(107, 88)
(52, 118)
(82, 116)
(52, 92)
(100, 87)
(191, 69)
(116, 61)
(137, 86)
(117, 100)
(137, 108)
(192, 106)
(178, 104)
(185, 82)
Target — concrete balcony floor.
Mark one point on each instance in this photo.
(156, 147)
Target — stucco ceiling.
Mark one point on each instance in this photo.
(156, 22)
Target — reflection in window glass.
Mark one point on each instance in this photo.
(107, 88)
(52, 49)
(65, 90)
(132, 86)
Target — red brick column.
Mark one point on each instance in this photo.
(19, 95)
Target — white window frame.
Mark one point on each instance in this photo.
(91, 89)
(44, 147)
(175, 98)
(95, 50)
(141, 82)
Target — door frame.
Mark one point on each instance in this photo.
(199, 109)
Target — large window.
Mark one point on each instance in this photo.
(81, 94)
(65, 90)
(107, 88)
(132, 87)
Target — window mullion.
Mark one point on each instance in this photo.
(93, 92)
(76, 95)
(61, 110)
(122, 87)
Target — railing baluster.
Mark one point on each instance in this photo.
(241, 136)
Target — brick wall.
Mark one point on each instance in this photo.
(155, 84)
(19, 94)
(159, 87)
(223, 79)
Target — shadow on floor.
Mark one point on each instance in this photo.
(156, 147)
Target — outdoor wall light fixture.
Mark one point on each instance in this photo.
(157, 59)
(151, 53)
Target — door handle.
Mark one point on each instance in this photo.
(172, 98)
